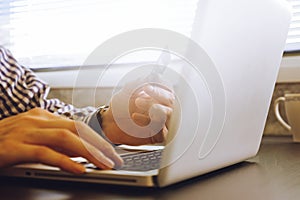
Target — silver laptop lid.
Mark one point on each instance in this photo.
(225, 101)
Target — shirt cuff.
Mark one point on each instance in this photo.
(94, 123)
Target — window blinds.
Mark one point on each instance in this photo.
(45, 33)
(51, 33)
(293, 40)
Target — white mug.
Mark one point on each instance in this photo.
(292, 110)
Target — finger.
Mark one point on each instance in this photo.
(161, 95)
(144, 120)
(159, 137)
(93, 138)
(160, 112)
(45, 155)
(143, 104)
(141, 119)
(86, 133)
(68, 141)
(64, 151)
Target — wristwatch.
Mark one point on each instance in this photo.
(99, 113)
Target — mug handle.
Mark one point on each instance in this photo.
(277, 113)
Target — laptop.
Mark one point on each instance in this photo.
(223, 103)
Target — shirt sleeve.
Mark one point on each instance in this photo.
(21, 90)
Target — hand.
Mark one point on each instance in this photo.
(40, 136)
(149, 103)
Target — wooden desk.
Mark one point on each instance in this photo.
(273, 174)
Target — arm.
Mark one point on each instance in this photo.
(22, 93)
(31, 130)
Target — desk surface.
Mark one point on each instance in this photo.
(273, 174)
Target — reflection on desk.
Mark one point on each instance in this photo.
(273, 174)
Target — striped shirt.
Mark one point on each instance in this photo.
(21, 90)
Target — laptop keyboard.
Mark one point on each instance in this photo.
(140, 161)
(143, 161)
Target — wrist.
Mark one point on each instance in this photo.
(98, 118)
(100, 112)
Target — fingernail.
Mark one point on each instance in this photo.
(78, 169)
(100, 157)
(140, 102)
(119, 162)
(103, 159)
(109, 163)
(149, 88)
